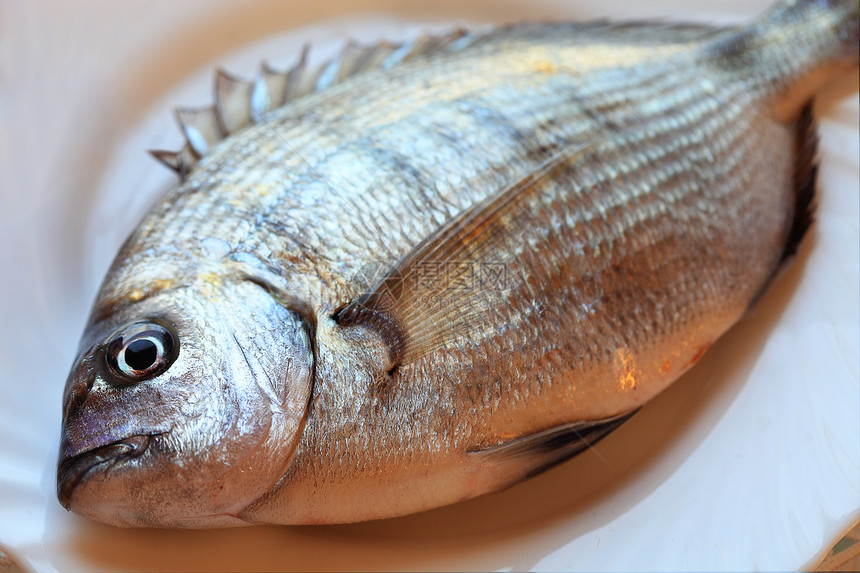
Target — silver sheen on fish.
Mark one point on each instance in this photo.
(424, 272)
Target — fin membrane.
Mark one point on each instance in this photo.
(805, 176)
(239, 103)
(805, 180)
(470, 240)
(530, 455)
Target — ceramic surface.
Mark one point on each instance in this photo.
(751, 461)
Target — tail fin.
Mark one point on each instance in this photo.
(792, 49)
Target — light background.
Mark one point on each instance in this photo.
(751, 461)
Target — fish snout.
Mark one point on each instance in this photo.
(73, 469)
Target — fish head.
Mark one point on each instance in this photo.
(185, 404)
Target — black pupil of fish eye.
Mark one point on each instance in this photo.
(141, 354)
(140, 351)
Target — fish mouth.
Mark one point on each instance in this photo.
(72, 470)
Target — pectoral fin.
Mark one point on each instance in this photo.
(530, 455)
(433, 294)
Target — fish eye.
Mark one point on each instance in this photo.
(141, 351)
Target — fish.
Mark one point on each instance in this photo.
(427, 271)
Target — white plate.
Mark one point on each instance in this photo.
(752, 461)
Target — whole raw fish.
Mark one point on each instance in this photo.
(425, 272)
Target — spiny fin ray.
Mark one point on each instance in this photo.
(232, 102)
(239, 103)
(181, 161)
(200, 127)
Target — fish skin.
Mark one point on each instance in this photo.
(257, 250)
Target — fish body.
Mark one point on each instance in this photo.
(443, 268)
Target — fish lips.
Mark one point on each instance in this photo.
(72, 470)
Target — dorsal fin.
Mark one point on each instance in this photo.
(239, 103)
(393, 306)
(200, 128)
(273, 88)
(232, 102)
(180, 161)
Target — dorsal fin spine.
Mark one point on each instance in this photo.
(232, 102)
(200, 127)
(239, 102)
(293, 76)
(181, 161)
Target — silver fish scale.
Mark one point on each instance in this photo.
(258, 160)
(497, 130)
(593, 205)
(558, 342)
